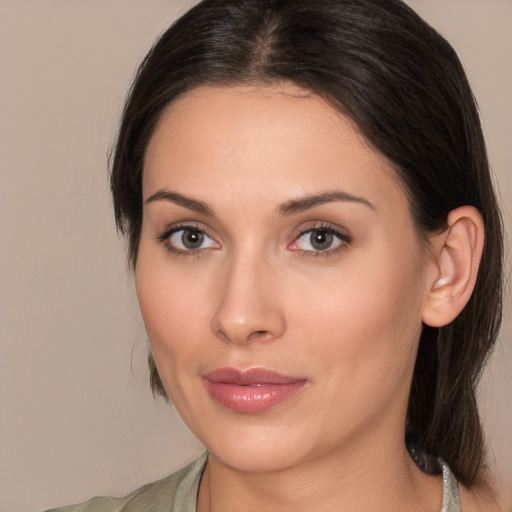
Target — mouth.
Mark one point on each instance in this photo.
(251, 391)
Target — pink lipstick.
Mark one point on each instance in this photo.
(251, 391)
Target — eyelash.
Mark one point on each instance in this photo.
(164, 238)
(343, 238)
(345, 241)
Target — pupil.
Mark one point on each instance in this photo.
(321, 240)
(192, 239)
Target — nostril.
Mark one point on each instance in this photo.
(261, 335)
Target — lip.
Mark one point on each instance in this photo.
(251, 391)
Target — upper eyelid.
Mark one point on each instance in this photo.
(318, 225)
(324, 228)
(173, 228)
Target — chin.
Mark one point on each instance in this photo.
(256, 449)
(256, 459)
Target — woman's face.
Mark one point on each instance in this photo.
(279, 276)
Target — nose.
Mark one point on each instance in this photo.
(249, 307)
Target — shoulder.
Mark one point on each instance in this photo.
(174, 492)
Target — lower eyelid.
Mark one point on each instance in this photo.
(323, 254)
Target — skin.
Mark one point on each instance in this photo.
(257, 293)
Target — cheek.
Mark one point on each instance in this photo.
(153, 293)
(167, 294)
(166, 320)
(366, 319)
(163, 304)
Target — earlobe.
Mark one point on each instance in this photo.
(457, 253)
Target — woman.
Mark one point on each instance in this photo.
(317, 251)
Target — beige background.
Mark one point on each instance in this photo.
(76, 416)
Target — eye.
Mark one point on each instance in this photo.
(187, 239)
(320, 240)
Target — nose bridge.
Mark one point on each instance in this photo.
(248, 306)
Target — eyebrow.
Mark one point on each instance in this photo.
(288, 208)
(310, 201)
(181, 200)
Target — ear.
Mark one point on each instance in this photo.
(456, 257)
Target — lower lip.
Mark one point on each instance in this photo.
(252, 399)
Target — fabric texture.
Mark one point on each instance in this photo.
(178, 493)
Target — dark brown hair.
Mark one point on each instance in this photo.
(379, 63)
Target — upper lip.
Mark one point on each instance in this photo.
(252, 376)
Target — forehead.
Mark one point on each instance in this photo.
(274, 110)
(234, 140)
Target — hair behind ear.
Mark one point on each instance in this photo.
(464, 318)
(155, 382)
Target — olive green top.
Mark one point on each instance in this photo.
(178, 493)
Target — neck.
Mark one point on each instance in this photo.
(383, 477)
